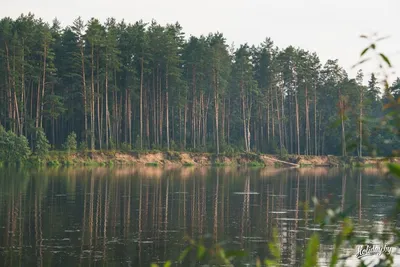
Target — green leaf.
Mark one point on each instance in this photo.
(270, 263)
(154, 265)
(222, 256)
(361, 62)
(167, 264)
(200, 252)
(311, 258)
(385, 59)
(394, 169)
(347, 227)
(274, 245)
(365, 51)
(335, 257)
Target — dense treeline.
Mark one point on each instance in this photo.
(144, 85)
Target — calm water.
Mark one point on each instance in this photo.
(133, 217)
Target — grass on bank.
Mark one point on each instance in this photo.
(55, 158)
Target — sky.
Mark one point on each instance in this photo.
(329, 28)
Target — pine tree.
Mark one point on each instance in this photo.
(71, 143)
(42, 144)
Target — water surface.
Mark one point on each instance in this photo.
(136, 216)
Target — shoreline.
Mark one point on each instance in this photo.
(186, 159)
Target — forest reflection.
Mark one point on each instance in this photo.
(135, 216)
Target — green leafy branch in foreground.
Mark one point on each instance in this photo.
(346, 240)
(389, 235)
(216, 255)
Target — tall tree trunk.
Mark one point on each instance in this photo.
(307, 150)
(84, 90)
(260, 137)
(52, 120)
(10, 83)
(129, 103)
(180, 129)
(200, 119)
(209, 99)
(249, 104)
(16, 108)
(23, 109)
(119, 109)
(14, 88)
(315, 122)
(43, 83)
(279, 121)
(173, 137)
(166, 109)
(342, 111)
(223, 112)
(184, 126)
(343, 137)
(361, 121)
(115, 117)
(92, 144)
(99, 118)
(141, 103)
(228, 123)
(147, 108)
(38, 104)
(126, 115)
(107, 111)
(193, 119)
(242, 96)
(272, 117)
(204, 117)
(102, 120)
(216, 106)
(291, 141)
(320, 141)
(154, 108)
(297, 125)
(283, 118)
(32, 94)
(161, 109)
(267, 126)
(19, 130)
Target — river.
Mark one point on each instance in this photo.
(135, 216)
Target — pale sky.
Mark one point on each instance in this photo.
(329, 28)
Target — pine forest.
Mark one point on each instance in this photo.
(151, 86)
